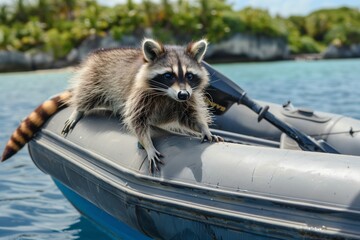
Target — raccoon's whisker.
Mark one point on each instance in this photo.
(212, 74)
(194, 88)
(208, 95)
(216, 80)
(152, 91)
(161, 84)
(156, 92)
(156, 89)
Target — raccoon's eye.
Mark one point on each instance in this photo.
(189, 76)
(168, 76)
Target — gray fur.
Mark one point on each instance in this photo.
(119, 79)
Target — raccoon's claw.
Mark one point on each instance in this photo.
(154, 160)
(69, 126)
(211, 138)
(217, 138)
(71, 122)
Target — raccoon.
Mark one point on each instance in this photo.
(155, 86)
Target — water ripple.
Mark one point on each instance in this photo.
(31, 207)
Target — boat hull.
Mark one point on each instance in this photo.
(107, 222)
(204, 191)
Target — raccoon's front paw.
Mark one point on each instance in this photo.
(68, 127)
(211, 138)
(207, 136)
(71, 122)
(154, 160)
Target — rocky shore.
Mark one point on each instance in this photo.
(352, 51)
(240, 47)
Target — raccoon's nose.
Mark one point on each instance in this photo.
(183, 95)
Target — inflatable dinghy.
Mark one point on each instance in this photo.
(283, 173)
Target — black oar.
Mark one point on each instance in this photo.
(225, 93)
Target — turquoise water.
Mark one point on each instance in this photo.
(31, 207)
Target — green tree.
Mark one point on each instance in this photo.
(33, 25)
(259, 22)
(21, 12)
(330, 24)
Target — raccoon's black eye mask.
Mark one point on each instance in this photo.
(163, 80)
(169, 78)
(192, 79)
(189, 76)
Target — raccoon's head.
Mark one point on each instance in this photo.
(174, 70)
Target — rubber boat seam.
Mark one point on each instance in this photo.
(332, 126)
(185, 204)
(250, 140)
(141, 177)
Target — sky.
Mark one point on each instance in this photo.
(282, 7)
(294, 7)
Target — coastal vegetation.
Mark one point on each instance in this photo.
(57, 26)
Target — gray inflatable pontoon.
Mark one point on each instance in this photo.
(257, 185)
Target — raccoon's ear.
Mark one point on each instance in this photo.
(152, 49)
(197, 49)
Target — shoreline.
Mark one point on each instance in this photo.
(54, 70)
(291, 58)
(42, 71)
(238, 48)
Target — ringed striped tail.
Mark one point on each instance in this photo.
(33, 123)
